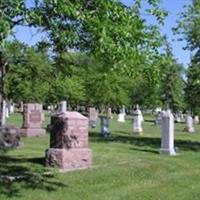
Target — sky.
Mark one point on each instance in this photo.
(174, 7)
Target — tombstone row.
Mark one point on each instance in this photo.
(69, 134)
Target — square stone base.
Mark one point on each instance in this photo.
(69, 159)
(170, 152)
(32, 132)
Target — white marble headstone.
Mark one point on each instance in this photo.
(63, 106)
(137, 121)
(196, 119)
(189, 124)
(167, 140)
(121, 117)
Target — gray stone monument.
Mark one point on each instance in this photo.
(93, 115)
(63, 106)
(189, 124)
(167, 140)
(69, 142)
(158, 120)
(104, 123)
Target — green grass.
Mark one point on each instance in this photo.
(125, 167)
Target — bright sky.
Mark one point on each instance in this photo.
(172, 6)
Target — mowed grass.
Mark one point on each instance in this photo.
(125, 167)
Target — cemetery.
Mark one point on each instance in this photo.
(101, 102)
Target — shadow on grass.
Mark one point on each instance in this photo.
(141, 141)
(17, 174)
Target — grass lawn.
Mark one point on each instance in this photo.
(125, 167)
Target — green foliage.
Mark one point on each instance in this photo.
(11, 14)
(171, 82)
(29, 73)
(192, 90)
(189, 28)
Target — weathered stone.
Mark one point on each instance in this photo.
(32, 120)
(69, 142)
(167, 141)
(196, 119)
(104, 120)
(121, 117)
(189, 124)
(69, 159)
(109, 113)
(137, 121)
(158, 120)
(9, 137)
(92, 117)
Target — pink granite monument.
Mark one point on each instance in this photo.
(32, 120)
(69, 142)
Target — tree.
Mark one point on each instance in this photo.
(171, 82)
(29, 73)
(189, 28)
(192, 91)
(114, 35)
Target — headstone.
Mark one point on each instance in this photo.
(121, 117)
(104, 120)
(189, 124)
(196, 119)
(12, 108)
(137, 121)
(177, 118)
(3, 114)
(7, 112)
(9, 137)
(167, 140)
(32, 120)
(123, 110)
(92, 117)
(158, 120)
(109, 113)
(69, 142)
(63, 106)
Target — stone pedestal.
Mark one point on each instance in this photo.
(32, 120)
(69, 142)
(189, 124)
(167, 140)
(92, 117)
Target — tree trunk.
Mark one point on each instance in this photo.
(3, 65)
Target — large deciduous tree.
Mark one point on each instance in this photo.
(113, 34)
(12, 13)
(189, 30)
